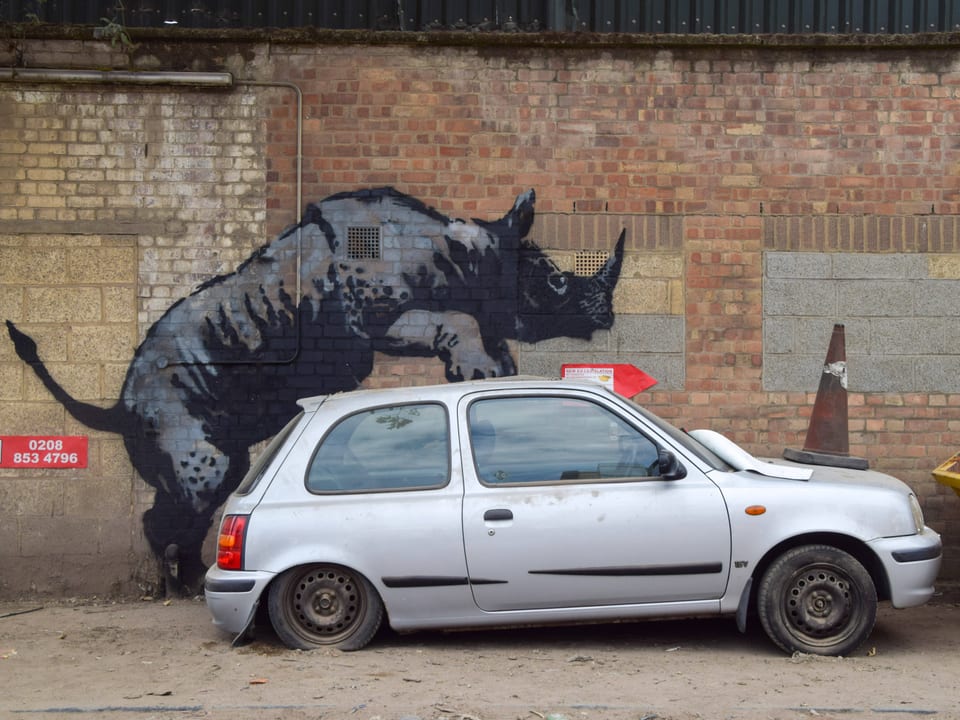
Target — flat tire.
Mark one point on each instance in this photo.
(817, 599)
(324, 606)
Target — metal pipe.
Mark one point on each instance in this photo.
(299, 93)
(127, 77)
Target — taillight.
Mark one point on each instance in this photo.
(230, 542)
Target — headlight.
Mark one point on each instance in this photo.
(917, 512)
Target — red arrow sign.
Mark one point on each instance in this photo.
(623, 378)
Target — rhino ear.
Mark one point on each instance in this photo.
(515, 225)
(608, 275)
(520, 217)
(311, 216)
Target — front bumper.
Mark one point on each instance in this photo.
(232, 596)
(911, 563)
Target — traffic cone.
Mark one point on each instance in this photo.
(828, 440)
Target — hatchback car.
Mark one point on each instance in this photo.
(526, 501)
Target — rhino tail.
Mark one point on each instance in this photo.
(112, 419)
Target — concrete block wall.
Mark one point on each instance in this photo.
(900, 317)
(767, 192)
(63, 527)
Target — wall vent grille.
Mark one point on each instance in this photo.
(364, 242)
(588, 262)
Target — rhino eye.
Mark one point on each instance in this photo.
(558, 283)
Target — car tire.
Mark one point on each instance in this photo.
(324, 606)
(817, 599)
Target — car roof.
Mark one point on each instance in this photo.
(420, 392)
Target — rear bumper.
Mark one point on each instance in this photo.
(232, 597)
(911, 564)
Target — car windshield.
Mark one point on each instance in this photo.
(682, 437)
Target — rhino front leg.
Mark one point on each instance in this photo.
(456, 339)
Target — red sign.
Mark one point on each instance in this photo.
(43, 451)
(624, 379)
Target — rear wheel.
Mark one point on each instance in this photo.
(323, 606)
(817, 599)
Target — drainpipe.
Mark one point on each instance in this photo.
(299, 94)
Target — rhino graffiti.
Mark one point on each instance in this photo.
(304, 315)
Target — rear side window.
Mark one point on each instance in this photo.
(391, 448)
(255, 473)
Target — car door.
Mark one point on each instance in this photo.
(564, 506)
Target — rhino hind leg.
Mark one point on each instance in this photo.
(176, 537)
(183, 508)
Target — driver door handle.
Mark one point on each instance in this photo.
(498, 514)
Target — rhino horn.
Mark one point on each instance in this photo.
(608, 275)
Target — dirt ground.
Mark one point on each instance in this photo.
(165, 660)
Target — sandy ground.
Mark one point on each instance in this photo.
(165, 660)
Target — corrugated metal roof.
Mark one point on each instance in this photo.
(623, 16)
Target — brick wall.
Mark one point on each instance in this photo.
(721, 161)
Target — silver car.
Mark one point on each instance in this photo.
(527, 501)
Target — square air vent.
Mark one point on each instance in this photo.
(364, 242)
(588, 262)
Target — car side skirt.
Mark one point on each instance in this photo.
(557, 616)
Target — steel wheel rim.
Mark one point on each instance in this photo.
(821, 605)
(326, 605)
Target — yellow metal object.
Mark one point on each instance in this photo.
(949, 473)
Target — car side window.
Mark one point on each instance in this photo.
(390, 448)
(551, 439)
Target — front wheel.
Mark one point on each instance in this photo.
(817, 599)
(324, 606)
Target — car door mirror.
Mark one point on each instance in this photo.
(670, 467)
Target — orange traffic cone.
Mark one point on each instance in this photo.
(828, 441)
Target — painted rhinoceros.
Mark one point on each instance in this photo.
(366, 271)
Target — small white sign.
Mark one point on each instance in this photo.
(602, 375)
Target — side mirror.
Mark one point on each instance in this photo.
(670, 467)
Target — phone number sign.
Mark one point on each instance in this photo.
(43, 451)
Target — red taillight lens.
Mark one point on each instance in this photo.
(233, 528)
